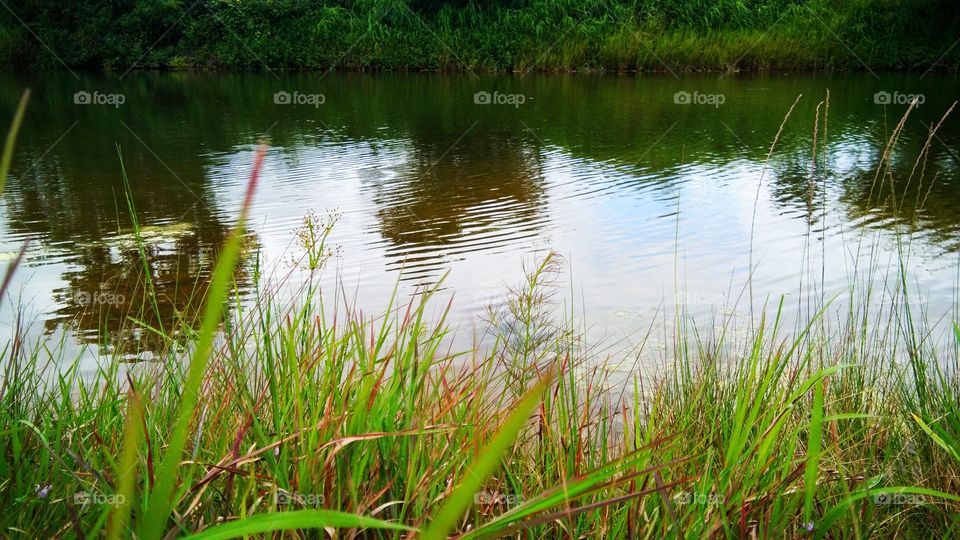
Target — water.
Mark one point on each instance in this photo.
(649, 201)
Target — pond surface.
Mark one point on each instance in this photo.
(652, 188)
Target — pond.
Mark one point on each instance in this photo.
(653, 188)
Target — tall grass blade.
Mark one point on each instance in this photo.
(289, 521)
(5, 161)
(486, 463)
(8, 275)
(812, 470)
(161, 498)
(132, 431)
(837, 511)
(952, 447)
(12, 138)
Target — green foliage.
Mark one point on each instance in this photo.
(296, 520)
(473, 35)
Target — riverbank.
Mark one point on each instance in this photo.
(298, 420)
(642, 35)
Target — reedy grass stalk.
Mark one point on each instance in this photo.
(484, 465)
(159, 506)
(10, 143)
(5, 160)
(132, 435)
(150, 290)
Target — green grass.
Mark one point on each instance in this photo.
(369, 424)
(272, 417)
(515, 35)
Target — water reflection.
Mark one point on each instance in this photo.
(444, 205)
(113, 277)
(106, 286)
(610, 170)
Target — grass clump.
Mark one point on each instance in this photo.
(512, 35)
(301, 419)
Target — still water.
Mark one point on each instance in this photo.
(652, 188)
